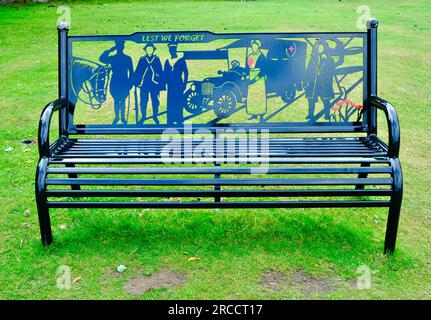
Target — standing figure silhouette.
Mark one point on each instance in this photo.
(319, 79)
(122, 71)
(148, 77)
(176, 77)
(256, 62)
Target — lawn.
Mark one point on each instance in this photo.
(241, 254)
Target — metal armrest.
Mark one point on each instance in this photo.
(45, 123)
(393, 123)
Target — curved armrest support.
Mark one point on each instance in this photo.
(393, 123)
(45, 123)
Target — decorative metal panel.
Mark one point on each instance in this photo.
(168, 79)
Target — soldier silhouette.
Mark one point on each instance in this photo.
(122, 72)
(176, 77)
(319, 79)
(148, 77)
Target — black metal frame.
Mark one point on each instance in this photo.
(371, 153)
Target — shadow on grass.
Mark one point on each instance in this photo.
(214, 233)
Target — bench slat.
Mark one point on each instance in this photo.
(293, 160)
(209, 205)
(215, 170)
(219, 193)
(220, 182)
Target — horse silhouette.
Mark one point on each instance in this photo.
(89, 82)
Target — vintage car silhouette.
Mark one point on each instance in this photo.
(227, 92)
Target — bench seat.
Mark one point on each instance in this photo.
(78, 150)
(311, 170)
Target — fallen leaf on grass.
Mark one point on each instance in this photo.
(27, 150)
(62, 227)
(194, 259)
(27, 212)
(76, 279)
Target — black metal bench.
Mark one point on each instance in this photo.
(204, 120)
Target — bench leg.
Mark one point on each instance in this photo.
(395, 207)
(73, 176)
(41, 201)
(363, 176)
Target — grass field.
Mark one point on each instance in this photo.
(256, 254)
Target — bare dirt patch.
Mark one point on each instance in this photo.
(309, 284)
(273, 280)
(164, 278)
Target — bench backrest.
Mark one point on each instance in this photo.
(148, 81)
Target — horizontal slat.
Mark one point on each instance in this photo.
(219, 182)
(197, 159)
(232, 141)
(219, 193)
(218, 170)
(271, 143)
(220, 149)
(284, 128)
(209, 205)
(294, 160)
(277, 139)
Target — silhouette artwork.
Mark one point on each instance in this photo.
(122, 71)
(176, 76)
(255, 78)
(256, 61)
(89, 82)
(147, 77)
(319, 79)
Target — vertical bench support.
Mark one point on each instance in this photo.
(63, 29)
(372, 25)
(395, 207)
(41, 202)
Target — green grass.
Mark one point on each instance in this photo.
(235, 247)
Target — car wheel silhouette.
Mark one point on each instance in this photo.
(194, 102)
(224, 104)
